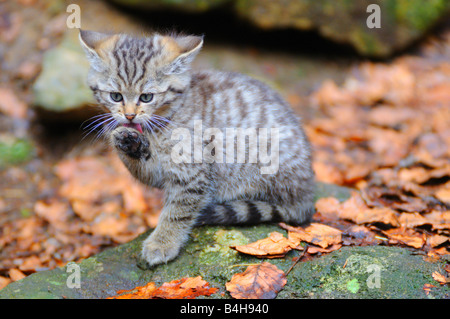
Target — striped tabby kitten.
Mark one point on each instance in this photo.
(149, 92)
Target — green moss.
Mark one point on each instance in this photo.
(418, 14)
(15, 151)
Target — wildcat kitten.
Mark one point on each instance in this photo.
(149, 91)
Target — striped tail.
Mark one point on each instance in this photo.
(249, 212)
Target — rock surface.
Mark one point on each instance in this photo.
(61, 86)
(402, 22)
(401, 273)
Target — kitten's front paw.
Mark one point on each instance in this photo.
(131, 142)
(155, 252)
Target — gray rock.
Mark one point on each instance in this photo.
(61, 86)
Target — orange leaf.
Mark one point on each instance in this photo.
(440, 278)
(317, 234)
(406, 236)
(356, 210)
(262, 281)
(276, 245)
(427, 288)
(16, 274)
(185, 288)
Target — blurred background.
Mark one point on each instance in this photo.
(375, 103)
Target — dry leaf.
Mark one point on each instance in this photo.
(262, 281)
(328, 207)
(406, 236)
(356, 210)
(440, 278)
(317, 234)
(16, 274)
(185, 288)
(11, 105)
(142, 292)
(314, 249)
(276, 245)
(4, 281)
(436, 240)
(427, 288)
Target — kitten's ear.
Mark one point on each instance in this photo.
(96, 45)
(189, 47)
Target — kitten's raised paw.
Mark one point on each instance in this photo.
(131, 142)
(156, 253)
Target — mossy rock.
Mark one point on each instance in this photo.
(61, 86)
(341, 274)
(402, 21)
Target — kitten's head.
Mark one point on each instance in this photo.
(136, 78)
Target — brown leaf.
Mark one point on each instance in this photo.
(262, 281)
(427, 288)
(328, 207)
(185, 288)
(406, 236)
(356, 210)
(276, 245)
(443, 194)
(317, 234)
(440, 278)
(55, 212)
(11, 105)
(4, 281)
(438, 219)
(142, 292)
(436, 240)
(314, 249)
(16, 274)
(392, 198)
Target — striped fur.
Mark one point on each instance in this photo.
(205, 192)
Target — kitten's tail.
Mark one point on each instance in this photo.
(247, 212)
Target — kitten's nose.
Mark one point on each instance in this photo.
(130, 116)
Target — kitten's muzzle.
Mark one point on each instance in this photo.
(130, 116)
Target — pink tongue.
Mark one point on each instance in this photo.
(136, 126)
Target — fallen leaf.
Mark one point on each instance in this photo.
(16, 274)
(11, 105)
(185, 288)
(262, 281)
(427, 288)
(314, 249)
(142, 292)
(4, 281)
(438, 219)
(356, 210)
(412, 220)
(443, 195)
(440, 278)
(392, 198)
(328, 207)
(406, 236)
(436, 240)
(317, 234)
(54, 211)
(276, 245)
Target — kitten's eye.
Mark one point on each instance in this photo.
(146, 98)
(116, 97)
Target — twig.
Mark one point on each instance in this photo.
(298, 259)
